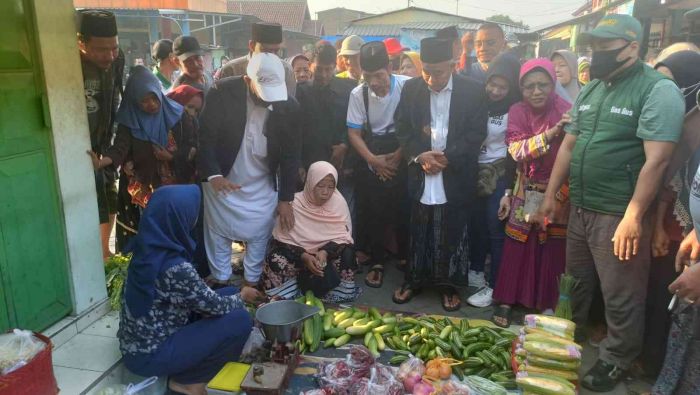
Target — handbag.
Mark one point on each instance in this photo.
(489, 174)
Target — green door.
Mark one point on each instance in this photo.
(33, 271)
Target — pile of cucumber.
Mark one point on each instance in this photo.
(483, 351)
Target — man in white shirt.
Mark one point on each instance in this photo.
(441, 123)
(250, 148)
(381, 172)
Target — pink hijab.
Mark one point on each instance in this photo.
(525, 121)
(314, 225)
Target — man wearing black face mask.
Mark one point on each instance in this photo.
(625, 125)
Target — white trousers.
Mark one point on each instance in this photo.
(219, 252)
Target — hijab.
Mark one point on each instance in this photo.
(163, 241)
(524, 121)
(685, 66)
(316, 225)
(415, 59)
(184, 93)
(507, 66)
(147, 127)
(573, 87)
(583, 64)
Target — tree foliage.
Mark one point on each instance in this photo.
(502, 18)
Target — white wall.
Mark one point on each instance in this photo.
(59, 52)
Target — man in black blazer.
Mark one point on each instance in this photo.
(440, 123)
(249, 156)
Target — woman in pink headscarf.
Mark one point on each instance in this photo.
(533, 258)
(317, 254)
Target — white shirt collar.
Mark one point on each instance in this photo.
(447, 88)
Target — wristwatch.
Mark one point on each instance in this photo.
(508, 193)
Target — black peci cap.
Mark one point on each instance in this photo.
(97, 23)
(373, 56)
(185, 47)
(448, 33)
(435, 50)
(266, 33)
(161, 49)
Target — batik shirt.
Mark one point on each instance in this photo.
(179, 293)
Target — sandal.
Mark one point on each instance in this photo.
(405, 287)
(378, 268)
(502, 315)
(402, 264)
(214, 283)
(449, 293)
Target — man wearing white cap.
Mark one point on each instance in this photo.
(250, 146)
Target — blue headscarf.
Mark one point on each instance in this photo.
(147, 127)
(163, 241)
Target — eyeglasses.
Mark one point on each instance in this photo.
(542, 86)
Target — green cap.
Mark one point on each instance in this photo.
(614, 26)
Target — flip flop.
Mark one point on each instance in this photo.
(449, 293)
(376, 268)
(402, 266)
(502, 312)
(412, 292)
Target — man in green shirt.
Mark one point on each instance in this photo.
(625, 125)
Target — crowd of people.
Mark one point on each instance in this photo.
(461, 163)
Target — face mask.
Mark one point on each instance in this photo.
(604, 63)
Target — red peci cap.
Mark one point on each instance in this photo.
(393, 46)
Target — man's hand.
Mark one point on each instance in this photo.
(432, 162)
(504, 208)
(162, 153)
(252, 295)
(129, 168)
(468, 43)
(191, 154)
(659, 241)
(312, 263)
(394, 160)
(687, 285)
(338, 156)
(302, 175)
(96, 165)
(223, 186)
(626, 238)
(381, 166)
(286, 215)
(689, 250)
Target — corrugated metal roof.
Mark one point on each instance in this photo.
(290, 14)
(395, 30)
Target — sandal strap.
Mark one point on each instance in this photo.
(377, 268)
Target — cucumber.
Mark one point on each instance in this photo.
(359, 314)
(383, 329)
(446, 332)
(473, 362)
(368, 335)
(389, 320)
(356, 330)
(374, 313)
(308, 331)
(373, 347)
(360, 322)
(342, 340)
(398, 359)
(327, 321)
(472, 332)
(457, 371)
(475, 347)
(342, 316)
(346, 323)
(333, 333)
(380, 342)
(328, 342)
(442, 344)
(411, 320)
(503, 342)
(481, 385)
(415, 338)
(317, 323)
(390, 342)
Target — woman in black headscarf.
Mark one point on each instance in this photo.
(496, 175)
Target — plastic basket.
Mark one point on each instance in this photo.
(35, 378)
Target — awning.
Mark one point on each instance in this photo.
(560, 33)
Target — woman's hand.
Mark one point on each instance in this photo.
(191, 154)
(162, 153)
(97, 162)
(286, 213)
(552, 133)
(687, 285)
(252, 295)
(312, 263)
(129, 168)
(659, 241)
(322, 257)
(504, 208)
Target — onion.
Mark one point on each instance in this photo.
(423, 388)
(410, 381)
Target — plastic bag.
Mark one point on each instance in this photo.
(254, 348)
(348, 375)
(381, 381)
(452, 387)
(410, 372)
(18, 349)
(131, 389)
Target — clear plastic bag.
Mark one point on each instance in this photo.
(18, 349)
(131, 389)
(253, 347)
(383, 381)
